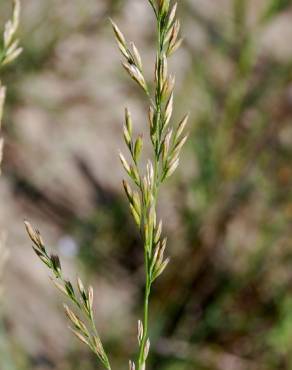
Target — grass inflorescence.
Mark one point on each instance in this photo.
(167, 141)
(81, 298)
(9, 51)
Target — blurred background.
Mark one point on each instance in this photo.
(225, 301)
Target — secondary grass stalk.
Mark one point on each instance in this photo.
(82, 325)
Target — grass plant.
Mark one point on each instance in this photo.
(142, 194)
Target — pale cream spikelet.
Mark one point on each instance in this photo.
(150, 175)
(168, 87)
(172, 15)
(121, 41)
(128, 191)
(80, 286)
(179, 145)
(166, 145)
(90, 299)
(135, 74)
(137, 56)
(12, 25)
(164, 71)
(168, 110)
(72, 317)
(181, 127)
(158, 232)
(140, 331)
(10, 43)
(146, 349)
(135, 215)
(171, 167)
(125, 163)
(128, 128)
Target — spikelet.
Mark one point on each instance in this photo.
(11, 49)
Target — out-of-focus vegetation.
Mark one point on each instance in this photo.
(226, 301)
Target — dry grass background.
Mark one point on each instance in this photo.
(63, 132)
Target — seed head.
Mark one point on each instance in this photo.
(137, 56)
(168, 110)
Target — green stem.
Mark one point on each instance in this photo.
(146, 313)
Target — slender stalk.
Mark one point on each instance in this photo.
(146, 314)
